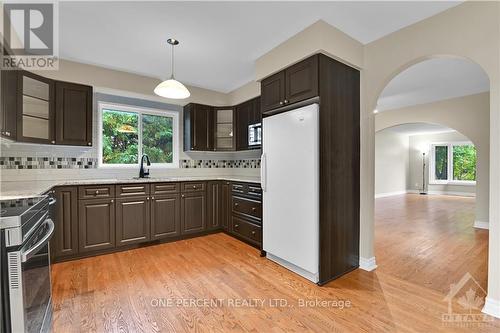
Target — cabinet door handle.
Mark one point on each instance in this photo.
(253, 233)
(281, 103)
(194, 187)
(236, 225)
(183, 196)
(96, 192)
(152, 198)
(254, 209)
(89, 143)
(147, 198)
(236, 204)
(286, 101)
(53, 142)
(7, 133)
(112, 201)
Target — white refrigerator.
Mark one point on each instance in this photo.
(290, 189)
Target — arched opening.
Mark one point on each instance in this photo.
(439, 107)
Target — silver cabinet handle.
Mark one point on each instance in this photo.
(112, 201)
(286, 101)
(89, 143)
(153, 198)
(281, 103)
(53, 142)
(183, 196)
(7, 133)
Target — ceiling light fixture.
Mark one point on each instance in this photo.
(172, 88)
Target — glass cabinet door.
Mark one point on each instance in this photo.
(36, 109)
(224, 129)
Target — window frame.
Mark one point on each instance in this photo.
(139, 110)
(432, 164)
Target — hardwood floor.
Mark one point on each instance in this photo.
(122, 292)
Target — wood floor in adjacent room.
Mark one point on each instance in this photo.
(422, 245)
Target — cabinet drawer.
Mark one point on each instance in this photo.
(193, 187)
(246, 230)
(96, 191)
(247, 207)
(251, 190)
(164, 188)
(128, 190)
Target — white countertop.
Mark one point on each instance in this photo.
(42, 187)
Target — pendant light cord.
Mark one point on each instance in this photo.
(172, 76)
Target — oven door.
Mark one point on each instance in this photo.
(29, 282)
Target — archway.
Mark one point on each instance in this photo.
(376, 84)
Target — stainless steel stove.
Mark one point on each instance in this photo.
(26, 229)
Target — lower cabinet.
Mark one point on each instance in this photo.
(65, 240)
(225, 216)
(243, 228)
(193, 212)
(214, 205)
(132, 221)
(96, 224)
(165, 216)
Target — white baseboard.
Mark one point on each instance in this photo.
(459, 194)
(389, 194)
(367, 264)
(492, 307)
(481, 225)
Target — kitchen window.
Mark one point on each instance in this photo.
(453, 163)
(127, 132)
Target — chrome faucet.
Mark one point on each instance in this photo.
(144, 173)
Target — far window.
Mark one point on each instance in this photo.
(453, 163)
(127, 133)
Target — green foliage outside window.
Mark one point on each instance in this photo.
(157, 138)
(120, 137)
(441, 162)
(464, 162)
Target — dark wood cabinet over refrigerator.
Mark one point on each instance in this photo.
(336, 88)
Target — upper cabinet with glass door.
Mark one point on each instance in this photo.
(224, 129)
(35, 113)
(40, 110)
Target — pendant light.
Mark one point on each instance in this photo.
(172, 88)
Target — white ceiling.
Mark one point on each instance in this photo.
(419, 128)
(219, 40)
(433, 80)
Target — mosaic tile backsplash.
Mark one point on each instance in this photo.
(88, 163)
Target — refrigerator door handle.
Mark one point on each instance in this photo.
(263, 172)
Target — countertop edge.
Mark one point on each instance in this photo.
(26, 194)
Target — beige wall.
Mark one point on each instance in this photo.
(319, 37)
(391, 163)
(109, 80)
(244, 93)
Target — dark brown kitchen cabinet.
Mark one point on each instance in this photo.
(225, 215)
(224, 129)
(8, 104)
(96, 224)
(247, 113)
(294, 84)
(165, 216)
(36, 109)
(35, 119)
(73, 114)
(272, 91)
(193, 212)
(243, 113)
(198, 127)
(132, 220)
(65, 240)
(214, 205)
